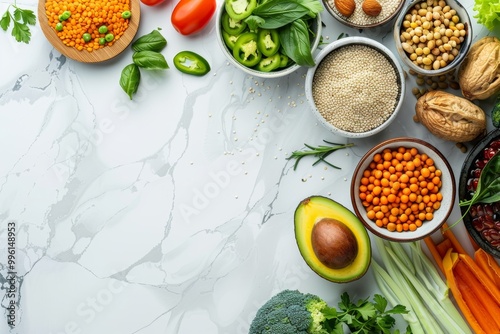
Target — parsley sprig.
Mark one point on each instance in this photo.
(366, 317)
(321, 152)
(21, 19)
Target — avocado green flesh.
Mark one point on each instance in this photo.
(313, 209)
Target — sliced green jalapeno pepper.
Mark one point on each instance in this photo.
(284, 60)
(245, 49)
(232, 26)
(191, 63)
(230, 40)
(268, 64)
(240, 9)
(268, 42)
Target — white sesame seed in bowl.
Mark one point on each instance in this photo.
(356, 88)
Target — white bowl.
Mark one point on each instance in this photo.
(465, 45)
(355, 41)
(447, 190)
(273, 74)
(382, 21)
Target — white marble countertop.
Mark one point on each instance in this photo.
(171, 213)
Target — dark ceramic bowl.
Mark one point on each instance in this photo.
(482, 229)
(447, 190)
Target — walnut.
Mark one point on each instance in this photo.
(450, 117)
(479, 73)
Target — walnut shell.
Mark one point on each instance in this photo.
(479, 73)
(450, 117)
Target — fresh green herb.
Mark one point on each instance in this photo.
(277, 14)
(487, 13)
(21, 19)
(296, 44)
(411, 279)
(488, 186)
(147, 56)
(321, 152)
(154, 41)
(294, 312)
(292, 18)
(129, 79)
(150, 60)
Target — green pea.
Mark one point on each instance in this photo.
(103, 29)
(65, 15)
(126, 14)
(109, 37)
(87, 37)
(102, 41)
(59, 26)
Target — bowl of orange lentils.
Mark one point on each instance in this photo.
(89, 31)
(403, 189)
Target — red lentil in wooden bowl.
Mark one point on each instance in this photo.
(356, 88)
(403, 189)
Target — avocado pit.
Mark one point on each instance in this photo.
(334, 244)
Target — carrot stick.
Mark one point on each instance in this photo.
(489, 265)
(481, 296)
(483, 279)
(447, 233)
(449, 260)
(434, 252)
(443, 247)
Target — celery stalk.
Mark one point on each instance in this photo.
(427, 273)
(395, 296)
(439, 313)
(427, 321)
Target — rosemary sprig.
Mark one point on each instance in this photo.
(321, 152)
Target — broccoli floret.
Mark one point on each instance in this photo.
(291, 312)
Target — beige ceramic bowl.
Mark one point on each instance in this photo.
(465, 45)
(447, 190)
(316, 28)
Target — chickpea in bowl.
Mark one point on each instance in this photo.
(433, 36)
(403, 189)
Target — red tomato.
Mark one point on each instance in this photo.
(152, 2)
(191, 16)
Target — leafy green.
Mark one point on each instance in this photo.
(154, 41)
(129, 79)
(495, 114)
(21, 19)
(150, 60)
(296, 43)
(488, 13)
(488, 186)
(277, 14)
(294, 312)
(321, 152)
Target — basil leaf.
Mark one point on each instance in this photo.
(129, 79)
(154, 41)
(150, 60)
(278, 13)
(488, 187)
(315, 7)
(254, 22)
(296, 43)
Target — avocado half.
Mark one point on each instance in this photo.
(314, 209)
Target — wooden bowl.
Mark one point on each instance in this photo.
(95, 56)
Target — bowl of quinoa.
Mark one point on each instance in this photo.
(356, 88)
(432, 37)
(359, 19)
